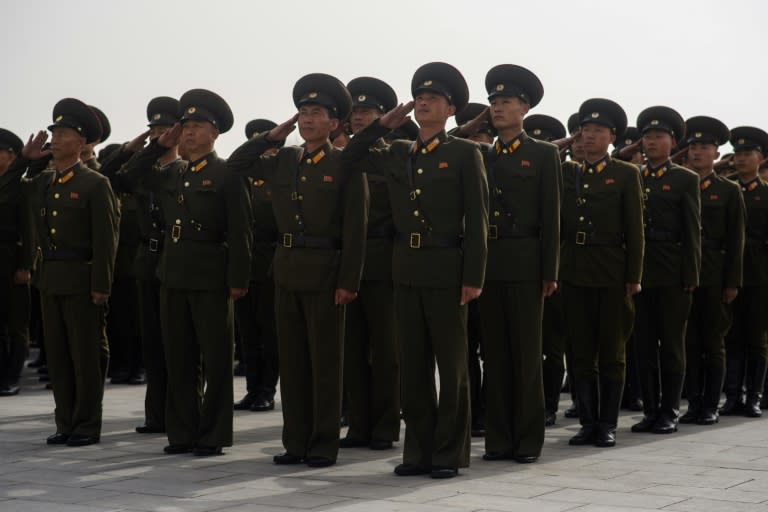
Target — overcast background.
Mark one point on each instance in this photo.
(701, 57)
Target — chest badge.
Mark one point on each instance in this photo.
(666, 188)
(442, 165)
(327, 179)
(525, 163)
(74, 195)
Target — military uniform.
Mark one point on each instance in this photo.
(672, 264)
(602, 253)
(206, 252)
(76, 222)
(438, 192)
(747, 342)
(320, 209)
(722, 246)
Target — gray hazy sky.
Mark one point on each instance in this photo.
(704, 57)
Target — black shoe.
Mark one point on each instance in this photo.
(245, 403)
(316, 461)
(175, 449)
(707, 418)
(352, 442)
(644, 425)
(525, 459)
(585, 436)
(634, 405)
(732, 407)
(690, 416)
(478, 431)
(606, 436)
(380, 444)
(494, 456)
(138, 378)
(120, 378)
(410, 470)
(81, 440)
(150, 429)
(287, 458)
(262, 404)
(549, 418)
(664, 425)
(57, 438)
(42, 370)
(37, 363)
(239, 370)
(9, 390)
(571, 412)
(443, 472)
(344, 421)
(752, 409)
(206, 451)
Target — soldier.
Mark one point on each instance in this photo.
(255, 313)
(722, 218)
(601, 268)
(439, 206)
(76, 222)
(204, 267)
(320, 208)
(371, 352)
(747, 342)
(15, 265)
(87, 156)
(670, 271)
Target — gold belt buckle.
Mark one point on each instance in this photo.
(175, 233)
(414, 241)
(287, 239)
(581, 238)
(493, 232)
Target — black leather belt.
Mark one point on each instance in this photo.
(428, 240)
(301, 240)
(598, 239)
(178, 232)
(496, 231)
(67, 254)
(662, 235)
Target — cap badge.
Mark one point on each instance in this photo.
(59, 118)
(361, 97)
(312, 95)
(697, 135)
(595, 115)
(654, 122)
(427, 83)
(537, 131)
(156, 117)
(628, 141)
(740, 141)
(191, 110)
(499, 87)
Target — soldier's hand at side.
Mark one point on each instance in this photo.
(729, 294)
(170, 138)
(21, 277)
(472, 126)
(468, 294)
(33, 149)
(632, 288)
(99, 298)
(237, 293)
(344, 297)
(397, 116)
(281, 132)
(138, 143)
(548, 288)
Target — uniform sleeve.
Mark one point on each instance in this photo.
(734, 243)
(139, 167)
(247, 160)
(105, 226)
(354, 231)
(634, 232)
(551, 189)
(691, 235)
(475, 219)
(361, 155)
(112, 165)
(239, 222)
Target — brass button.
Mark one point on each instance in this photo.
(424, 150)
(591, 171)
(186, 184)
(53, 231)
(303, 178)
(415, 213)
(56, 195)
(496, 214)
(296, 217)
(178, 221)
(504, 151)
(418, 191)
(419, 171)
(54, 213)
(309, 160)
(581, 218)
(586, 185)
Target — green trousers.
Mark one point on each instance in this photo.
(153, 352)
(14, 330)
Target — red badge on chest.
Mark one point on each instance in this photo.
(666, 187)
(525, 163)
(207, 183)
(327, 179)
(610, 181)
(442, 165)
(74, 195)
(714, 197)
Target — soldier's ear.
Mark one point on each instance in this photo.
(334, 124)
(451, 110)
(717, 155)
(613, 137)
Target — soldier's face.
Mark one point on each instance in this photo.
(198, 136)
(596, 138)
(657, 144)
(315, 124)
(508, 112)
(701, 157)
(432, 108)
(157, 130)
(66, 143)
(362, 117)
(747, 161)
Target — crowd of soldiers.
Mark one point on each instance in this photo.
(381, 250)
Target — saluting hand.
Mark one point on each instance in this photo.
(468, 294)
(138, 143)
(170, 138)
(281, 132)
(473, 126)
(396, 117)
(344, 297)
(33, 149)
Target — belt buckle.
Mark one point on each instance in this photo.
(288, 240)
(154, 244)
(414, 241)
(493, 232)
(581, 238)
(175, 233)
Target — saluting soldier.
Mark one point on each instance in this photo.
(321, 211)
(76, 222)
(602, 264)
(670, 272)
(722, 247)
(204, 267)
(747, 342)
(15, 265)
(371, 352)
(255, 313)
(439, 198)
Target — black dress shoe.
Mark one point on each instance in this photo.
(57, 438)
(37, 363)
(708, 418)
(175, 449)
(549, 418)
(352, 442)
(245, 403)
(752, 409)
(380, 444)
(634, 405)
(287, 458)
(206, 451)
(262, 404)
(316, 461)
(732, 407)
(9, 390)
(410, 470)
(690, 416)
(150, 429)
(239, 370)
(525, 459)
(664, 425)
(606, 437)
(493, 456)
(585, 436)
(644, 425)
(443, 472)
(81, 440)
(571, 412)
(344, 421)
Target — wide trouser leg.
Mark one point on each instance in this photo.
(153, 351)
(357, 368)
(616, 316)
(675, 306)
(647, 334)
(713, 324)
(474, 363)
(582, 312)
(756, 342)
(14, 324)
(694, 351)
(246, 309)
(268, 351)
(123, 329)
(553, 347)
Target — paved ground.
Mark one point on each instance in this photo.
(721, 468)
